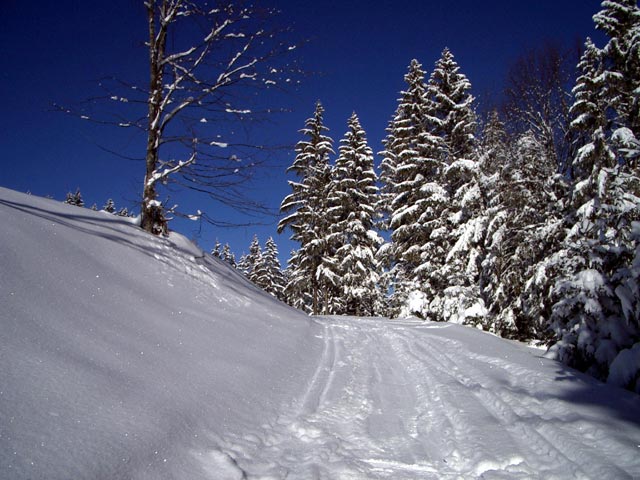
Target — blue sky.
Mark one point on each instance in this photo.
(57, 52)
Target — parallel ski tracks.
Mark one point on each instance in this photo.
(387, 401)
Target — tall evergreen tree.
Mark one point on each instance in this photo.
(525, 216)
(269, 272)
(596, 317)
(620, 21)
(411, 198)
(311, 278)
(353, 206)
(252, 261)
(452, 255)
(451, 110)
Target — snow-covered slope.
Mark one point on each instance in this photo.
(125, 356)
(128, 356)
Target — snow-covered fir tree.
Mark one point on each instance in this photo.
(494, 155)
(451, 110)
(620, 21)
(242, 265)
(312, 278)
(216, 250)
(74, 198)
(110, 206)
(353, 238)
(411, 197)
(269, 275)
(525, 222)
(228, 256)
(453, 253)
(596, 317)
(249, 263)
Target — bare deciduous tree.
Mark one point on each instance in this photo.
(538, 97)
(210, 64)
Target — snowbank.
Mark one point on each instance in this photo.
(121, 353)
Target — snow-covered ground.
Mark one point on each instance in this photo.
(125, 356)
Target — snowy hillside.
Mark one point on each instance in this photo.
(126, 356)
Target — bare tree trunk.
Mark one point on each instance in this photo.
(315, 296)
(153, 219)
(326, 300)
(202, 81)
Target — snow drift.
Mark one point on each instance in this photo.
(126, 356)
(122, 353)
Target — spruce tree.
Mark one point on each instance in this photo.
(228, 256)
(525, 224)
(451, 260)
(620, 21)
(596, 315)
(353, 206)
(75, 198)
(411, 197)
(252, 260)
(216, 249)
(451, 110)
(308, 219)
(269, 273)
(110, 206)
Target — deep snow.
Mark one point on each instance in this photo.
(126, 356)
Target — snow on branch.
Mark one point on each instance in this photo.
(164, 174)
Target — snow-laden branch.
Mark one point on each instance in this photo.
(177, 56)
(160, 176)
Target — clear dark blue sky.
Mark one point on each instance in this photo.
(56, 51)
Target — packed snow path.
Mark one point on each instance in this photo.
(131, 357)
(407, 400)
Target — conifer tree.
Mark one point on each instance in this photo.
(110, 206)
(216, 249)
(453, 253)
(252, 261)
(620, 21)
(596, 315)
(75, 198)
(411, 199)
(228, 256)
(308, 218)
(353, 206)
(297, 292)
(525, 224)
(242, 265)
(269, 272)
(451, 108)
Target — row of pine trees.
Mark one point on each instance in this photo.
(476, 223)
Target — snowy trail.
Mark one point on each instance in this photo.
(406, 400)
(126, 356)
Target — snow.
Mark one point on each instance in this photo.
(130, 356)
(625, 367)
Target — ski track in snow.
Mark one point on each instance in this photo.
(396, 401)
(115, 366)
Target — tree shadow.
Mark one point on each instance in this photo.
(113, 228)
(109, 227)
(577, 388)
(587, 390)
